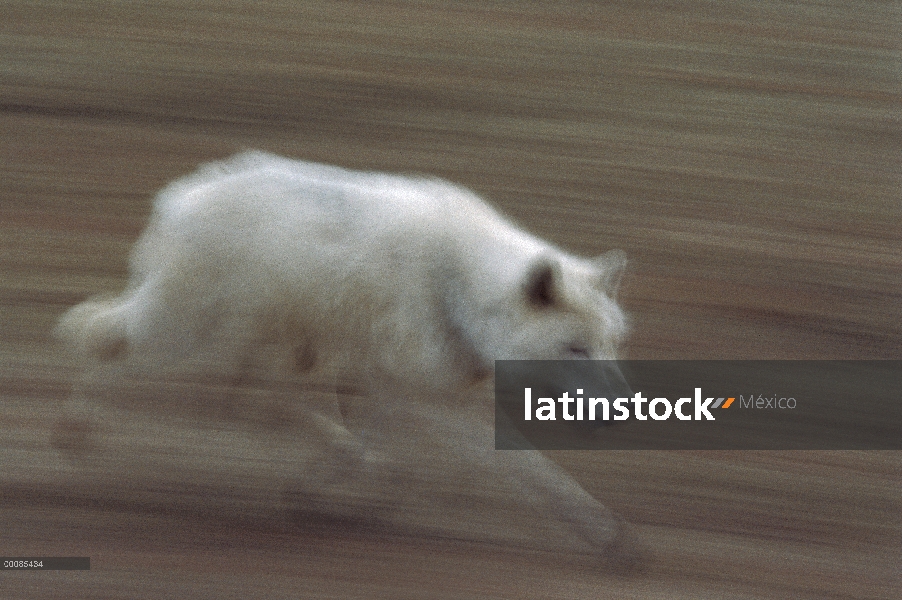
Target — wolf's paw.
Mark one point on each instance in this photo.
(615, 548)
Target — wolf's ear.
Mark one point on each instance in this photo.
(610, 267)
(541, 284)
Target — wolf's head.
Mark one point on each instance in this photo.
(550, 306)
(554, 307)
(563, 328)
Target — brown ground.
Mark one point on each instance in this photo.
(746, 155)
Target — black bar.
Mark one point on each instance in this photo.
(767, 405)
(45, 563)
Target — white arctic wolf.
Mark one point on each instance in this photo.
(414, 281)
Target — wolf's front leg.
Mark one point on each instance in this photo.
(538, 481)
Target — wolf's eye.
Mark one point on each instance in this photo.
(578, 352)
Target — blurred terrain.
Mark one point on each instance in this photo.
(746, 155)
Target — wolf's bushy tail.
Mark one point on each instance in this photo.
(97, 328)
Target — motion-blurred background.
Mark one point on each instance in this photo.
(746, 155)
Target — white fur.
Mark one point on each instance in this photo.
(416, 282)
